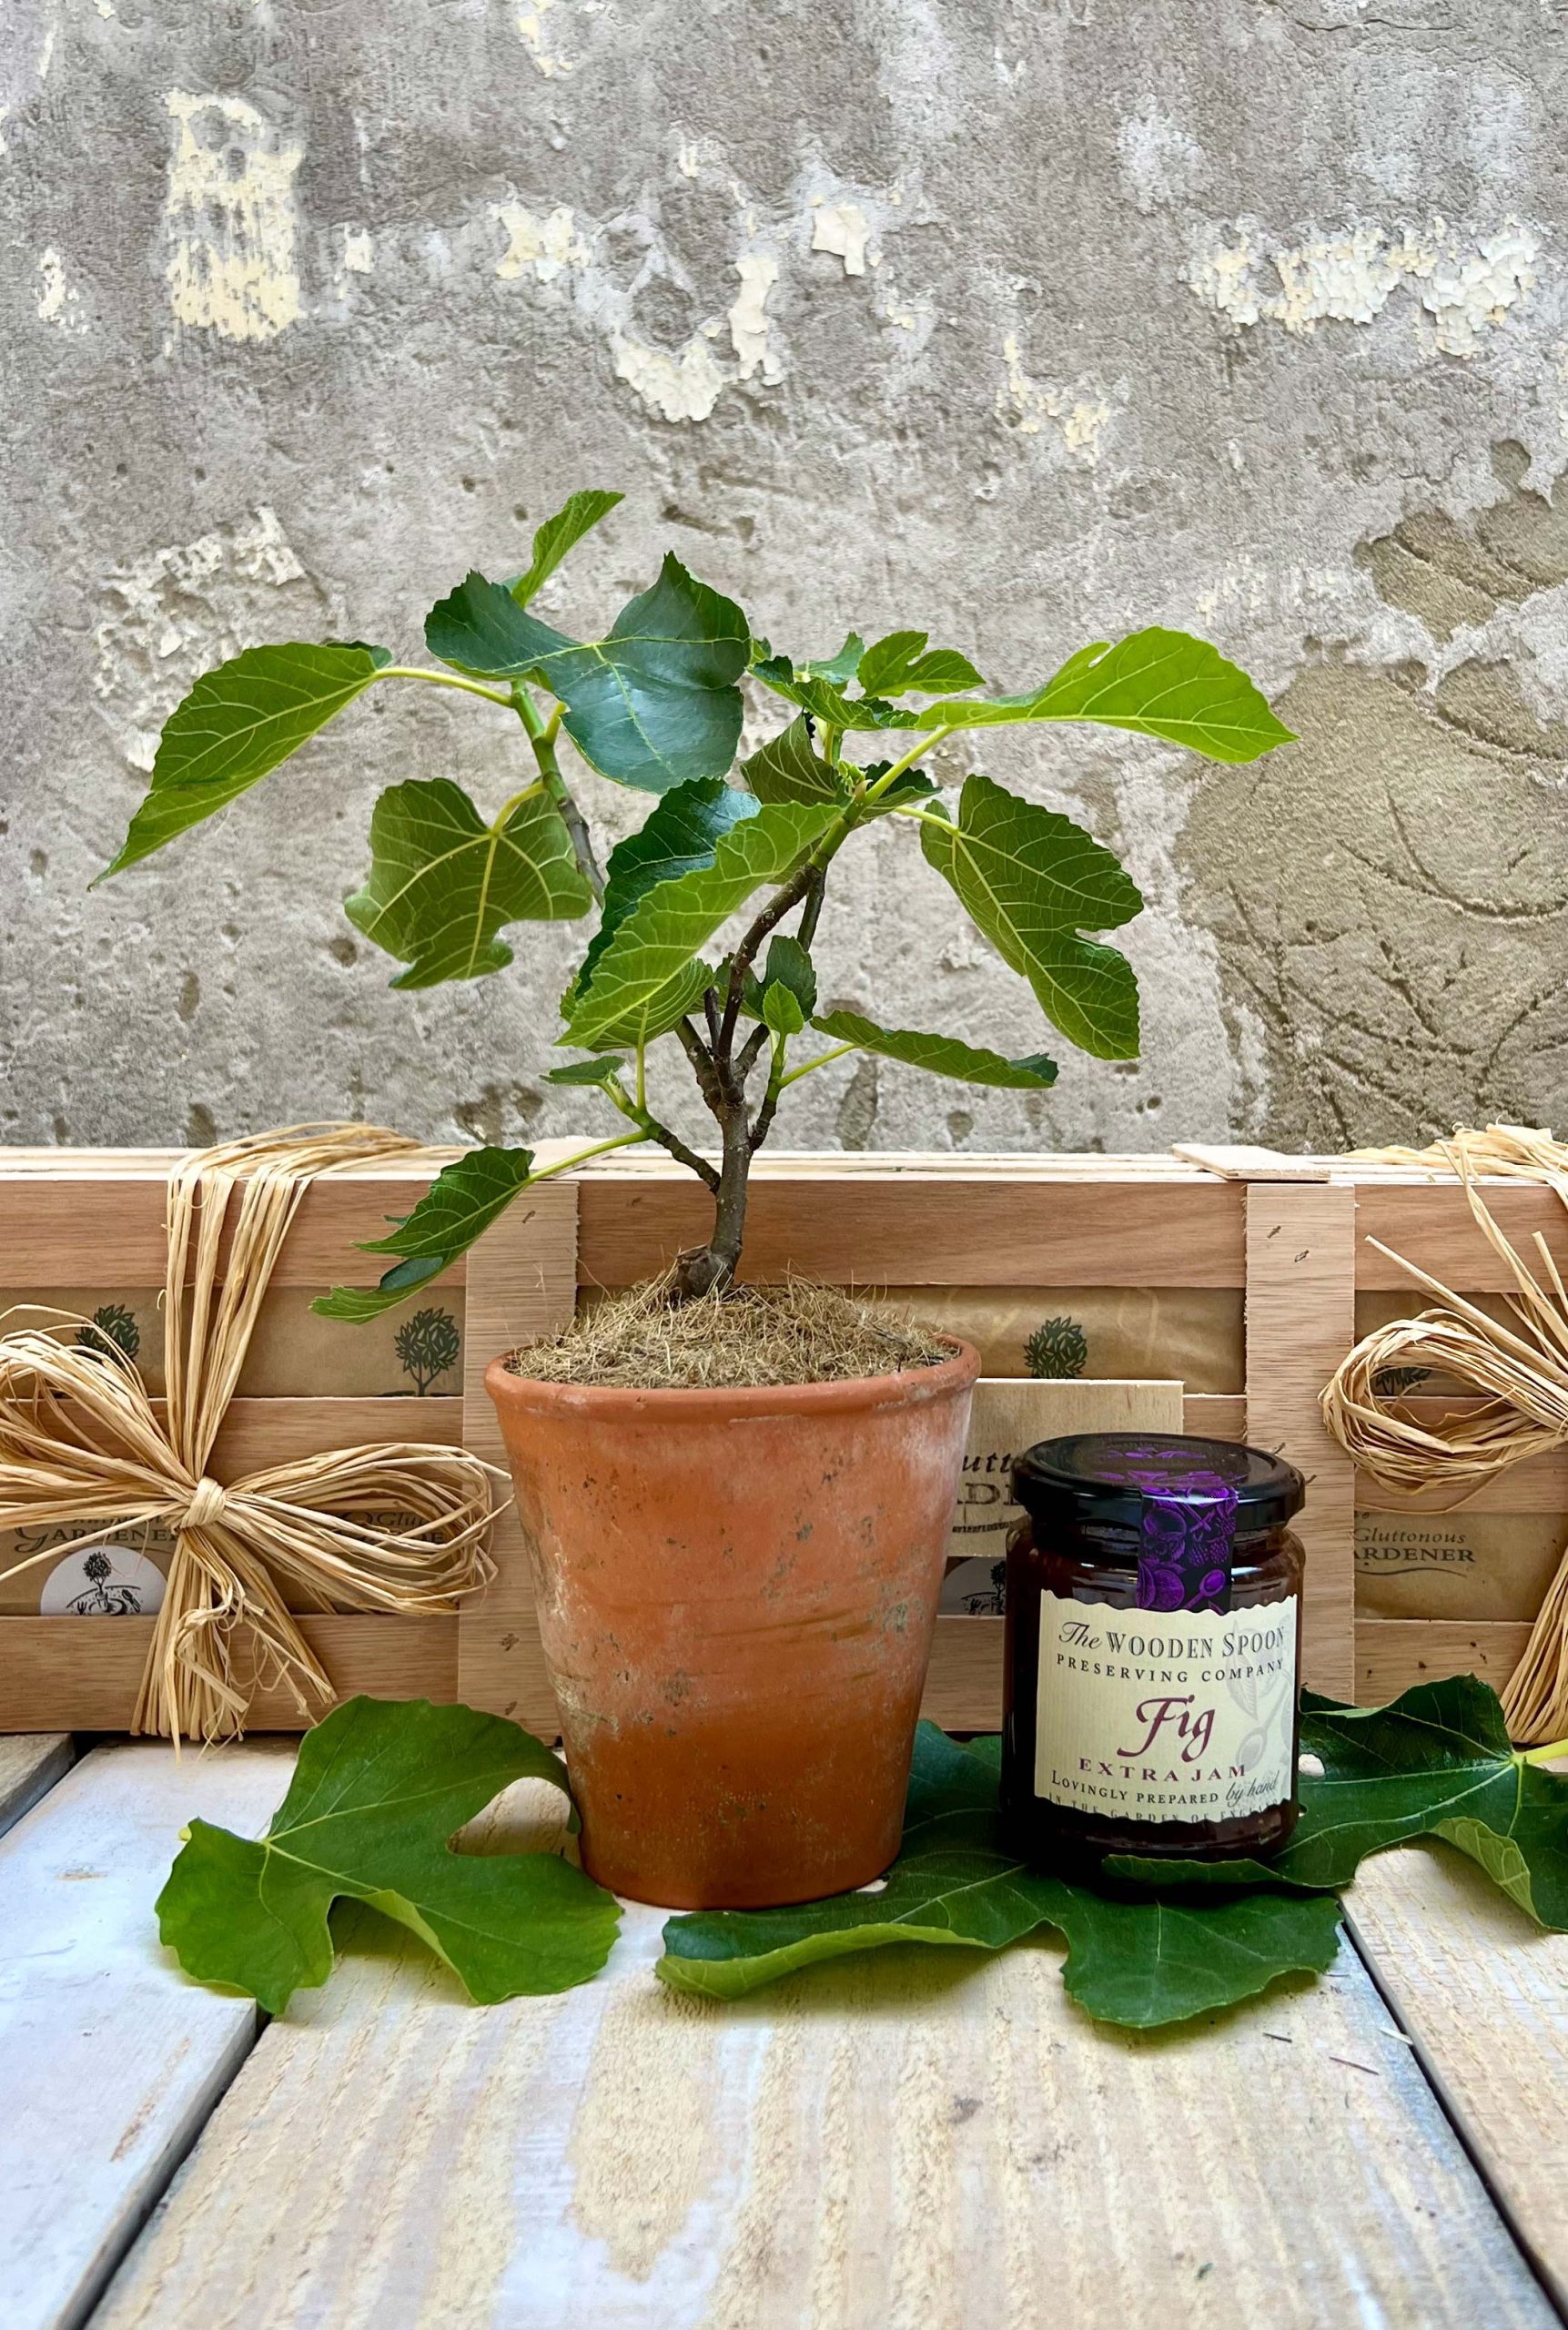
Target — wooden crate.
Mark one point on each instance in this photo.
(1286, 1236)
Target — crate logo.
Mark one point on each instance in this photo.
(103, 1582)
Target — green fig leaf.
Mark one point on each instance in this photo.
(442, 881)
(789, 965)
(1435, 1762)
(379, 1789)
(782, 1011)
(602, 1070)
(652, 703)
(236, 726)
(678, 837)
(649, 961)
(789, 768)
(460, 1205)
(558, 535)
(940, 1055)
(839, 669)
(1031, 881)
(1155, 682)
(827, 701)
(955, 1882)
(902, 664)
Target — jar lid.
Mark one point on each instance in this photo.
(1117, 1477)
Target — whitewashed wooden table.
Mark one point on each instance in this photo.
(906, 2141)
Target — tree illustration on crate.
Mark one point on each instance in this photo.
(1057, 1347)
(112, 1327)
(106, 1596)
(427, 1345)
(1394, 1382)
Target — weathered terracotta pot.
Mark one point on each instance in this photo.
(737, 1592)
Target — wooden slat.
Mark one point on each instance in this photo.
(29, 1767)
(259, 1433)
(1243, 1161)
(1215, 1416)
(908, 2140)
(54, 1670)
(109, 2063)
(964, 1681)
(885, 1229)
(1482, 1990)
(1393, 1654)
(1300, 1321)
(1539, 1485)
(521, 1285)
(1431, 1225)
(56, 1233)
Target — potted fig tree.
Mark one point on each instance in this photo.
(737, 1498)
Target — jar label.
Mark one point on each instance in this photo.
(1141, 1717)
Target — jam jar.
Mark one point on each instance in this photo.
(1153, 1636)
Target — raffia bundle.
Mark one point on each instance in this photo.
(1521, 1373)
(81, 1441)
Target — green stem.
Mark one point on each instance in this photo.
(821, 1060)
(891, 776)
(1542, 1755)
(620, 1141)
(541, 734)
(442, 680)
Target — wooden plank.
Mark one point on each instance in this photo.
(109, 2063)
(1538, 1486)
(521, 1285)
(256, 1434)
(1481, 1991)
(1393, 1654)
(963, 1680)
(1431, 1224)
(51, 1672)
(54, 1239)
(1240, 1161)
(1215, 1416)
(1300, 1321)
(908, 2140)
(29, 1767)
(883, 1229)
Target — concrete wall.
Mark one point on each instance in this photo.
(1024, 320)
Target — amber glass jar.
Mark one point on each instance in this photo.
(1153, 1636)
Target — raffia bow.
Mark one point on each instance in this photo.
(1521, 1371)
(82, 1441)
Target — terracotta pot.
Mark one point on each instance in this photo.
(736, 1592)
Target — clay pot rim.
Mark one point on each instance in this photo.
(677, 1401)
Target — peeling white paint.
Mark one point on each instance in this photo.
(679, 388)
(1079, 417)
(1465, 283)
(843, 230)
(358, 251)
(229, 218)
(535, 36)
(542, 247)
(58, 302)
(758, 271)
(1160, 164)
(172, 610)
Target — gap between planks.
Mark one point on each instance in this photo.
(110, 2062)
(1481, 1993)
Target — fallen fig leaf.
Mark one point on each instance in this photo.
(381, 1787)
(1435, 1762)
(1130, 1961)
